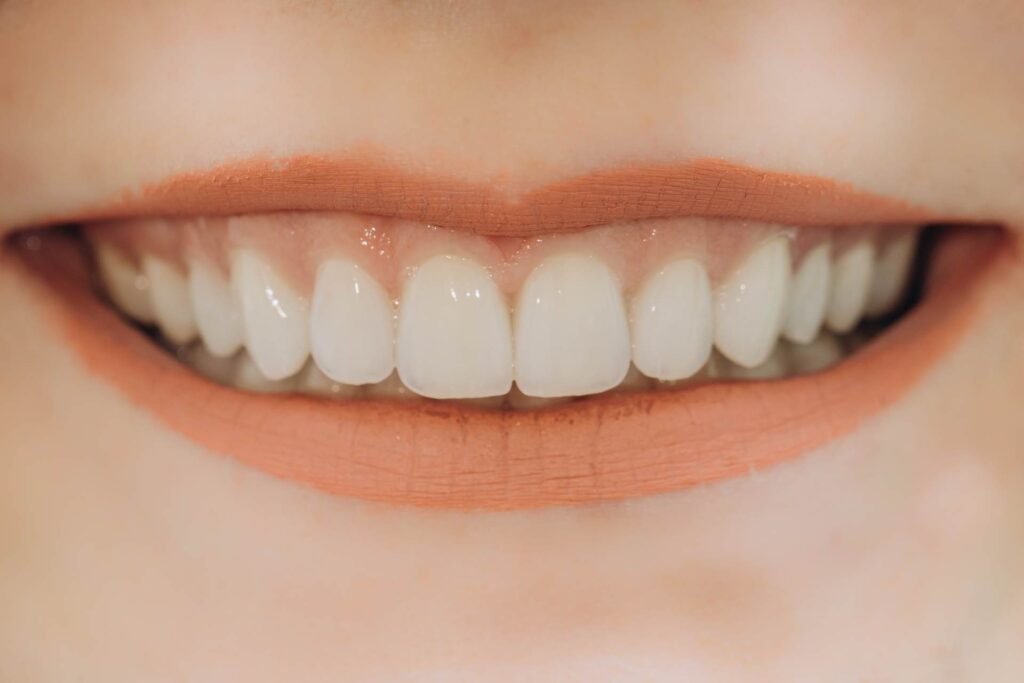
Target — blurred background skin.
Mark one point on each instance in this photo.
(893, 553)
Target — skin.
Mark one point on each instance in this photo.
(892, 553)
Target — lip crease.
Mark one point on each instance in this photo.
(604, 448)
(360, 183)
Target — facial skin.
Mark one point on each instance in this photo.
(129, 553)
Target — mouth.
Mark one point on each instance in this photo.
(466, 355)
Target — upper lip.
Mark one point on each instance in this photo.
(703, 187)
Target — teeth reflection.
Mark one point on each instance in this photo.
(556, 329)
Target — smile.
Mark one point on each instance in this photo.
(615, 346)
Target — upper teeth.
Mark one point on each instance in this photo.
(450, 331)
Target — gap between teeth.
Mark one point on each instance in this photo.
(570, 330)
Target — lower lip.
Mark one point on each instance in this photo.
(453, 456)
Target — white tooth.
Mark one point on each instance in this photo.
(572, 335)
(351, 325)
(818, 355)
(808, 296)
(312, 381)
(454, 337)
(216, 368)
(126, 286)
(249, 377)
(892, 270)
(218, 315)
(275, 320)
(672, 322)
(172, 306)
(851, 280)
(751, 304)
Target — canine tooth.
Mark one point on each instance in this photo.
(351, 325)
(851, 281)
(249, 377)
(126, 286)
(312, 381)
(218, 315)
(275, 320)
(892, 271)
(751, 304)
(572, 335)
(808, 296)
(454, 336)
(172, 307)
(672, 321)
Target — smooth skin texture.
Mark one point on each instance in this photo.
(894, 553)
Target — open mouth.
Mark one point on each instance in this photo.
(397, 360)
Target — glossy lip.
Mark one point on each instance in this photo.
(360, 183)
(605, 448)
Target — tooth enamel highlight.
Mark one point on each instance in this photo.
(351, 325)
(126, 286)
(275, 320)
(454, 337)
(672, 322)
(851, 280)
(217, 312)
(751, 303)
(808, 296)
(892, 271)
(571, 331)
